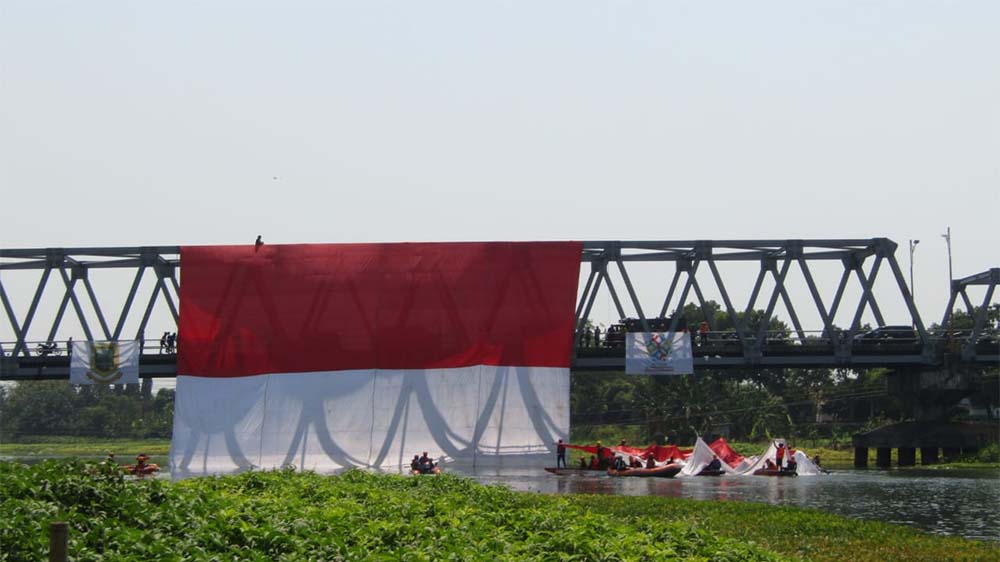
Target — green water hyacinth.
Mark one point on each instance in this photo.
(288, 515)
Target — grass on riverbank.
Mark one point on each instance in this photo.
(65, 446)
(361, 516)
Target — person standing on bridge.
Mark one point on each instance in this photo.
(703, 333)
(597, 336)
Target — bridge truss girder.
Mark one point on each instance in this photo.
(960, 288)
(775, 257)
(862, 260)
(73, 266)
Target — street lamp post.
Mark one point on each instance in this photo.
(947, 239)
(951, 277)
(913, 246)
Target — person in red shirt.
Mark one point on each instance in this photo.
(560, 454)
(780, 454)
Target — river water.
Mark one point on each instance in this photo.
(945, 502)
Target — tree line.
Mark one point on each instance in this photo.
(45, 408)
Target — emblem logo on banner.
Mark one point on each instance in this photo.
(658, 347)
(104, 363)
(658, 353)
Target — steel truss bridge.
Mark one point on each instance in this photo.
(65, 275)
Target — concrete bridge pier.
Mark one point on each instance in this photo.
(883, 457)
(906, 456)
(928, 455)
(950, 438)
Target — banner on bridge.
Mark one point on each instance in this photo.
(104, 362)
(658, 353)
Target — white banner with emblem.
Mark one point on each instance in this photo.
(658, 353)
(104, 362)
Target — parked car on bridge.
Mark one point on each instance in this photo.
(888, 334)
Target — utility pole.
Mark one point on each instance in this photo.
(947, 239)
(913, 246)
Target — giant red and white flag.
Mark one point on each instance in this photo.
(337, 355)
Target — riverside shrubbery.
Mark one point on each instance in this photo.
(287, 515)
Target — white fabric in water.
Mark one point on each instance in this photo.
(700, 458)
(805, 465)
(481, 416)
(760, 461)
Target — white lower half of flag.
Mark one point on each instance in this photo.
(104, 362)
(481, 416)
(657, 353)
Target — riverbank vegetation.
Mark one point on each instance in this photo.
(69, 446)
(287, 515)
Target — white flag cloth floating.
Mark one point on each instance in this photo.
(324, 356)
(658, 353)
(104, 362)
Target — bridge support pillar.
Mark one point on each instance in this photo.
(883, 457)
(928, 455)
(950, 453)
(906, 456)
(861, 457)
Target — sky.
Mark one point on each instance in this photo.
(193, 122)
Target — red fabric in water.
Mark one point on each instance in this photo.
(660, 453)
(725, 452)
(329, 307)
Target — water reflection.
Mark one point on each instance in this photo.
(960, 503)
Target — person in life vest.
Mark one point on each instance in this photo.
(426, 464)
(560, 454)
(703, 333)
(791, 465)
(602, 462)
(780, 455)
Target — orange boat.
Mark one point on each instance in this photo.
(142, 468)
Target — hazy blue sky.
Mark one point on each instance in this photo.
(128, 123)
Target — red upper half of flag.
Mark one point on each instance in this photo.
(331, 307)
